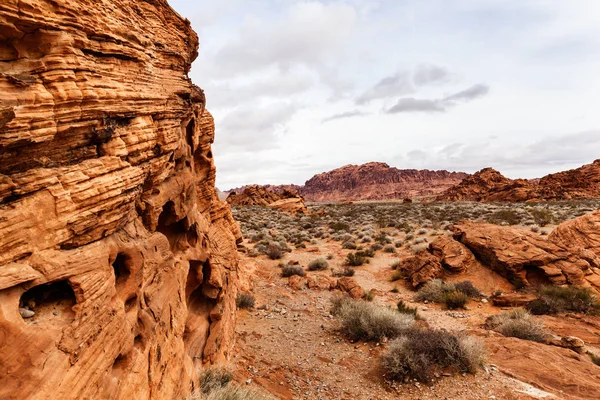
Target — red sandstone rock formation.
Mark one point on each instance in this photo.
(377, 181)
(489, 185)
(372, 181)
(570, 255)
(118, 264)
(287, 200)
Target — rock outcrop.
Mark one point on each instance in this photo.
(287, 200)
(118, 263)
(372, 181)
(570, 255)
(377, 181)
(489, 185)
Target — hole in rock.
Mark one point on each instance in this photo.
(122, 268)
(536, 277)
(209, 155)
(52, 303)
(121, 362)
(131, 303)
(192, 236)
(189, 133)
(172, 228)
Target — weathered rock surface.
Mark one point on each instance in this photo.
(489, 185)
(377, 181)
(111, 232)
(350, 286)
(524, 257)
(287, 200)
(570, 255)
(371, 181)
(553, 369)
(421, 268)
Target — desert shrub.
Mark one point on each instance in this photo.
(510, 217)
(215, 384)
(370, 295)
(213, 379)
(366, 239)
(398, 243)
(455, 299)
(557, 299)
(535, 229)
(434, 291)
(376, 246)
(244, 301)
(395, 264)
(517, 323)
(595, 359)
(347, 272)
(467, 288)
(319, 264)
(419, 354)
(290, 270)
(403, 308)
(542, 217)
(355, 259)
(389, 248)
(349, 244)
(422, 232)
(360, 320)
(396, 276)
(366, 253)
(339, 226)
(410, 237)
(274, 252)
(330, 256)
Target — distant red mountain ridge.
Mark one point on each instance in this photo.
(371, 181)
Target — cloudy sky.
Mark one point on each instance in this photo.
(302, 87)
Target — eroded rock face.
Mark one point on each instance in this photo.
(489, 185)
(111, 232)
(287, 200)
(371, 181)
(377, 181)
(570, 255)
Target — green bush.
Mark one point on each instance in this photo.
(360, 320)
(419, 354)
(319, 264)
(355, 260)
(403, 308)
(434, 291)
(542, 217)
(455, 299)
(467, 288)
(558, 299)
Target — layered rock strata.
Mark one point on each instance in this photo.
(118, 264)
(288, 200)
(371, 181)
(489, 185)
(570, 255)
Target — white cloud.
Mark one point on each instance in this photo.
(275, 70)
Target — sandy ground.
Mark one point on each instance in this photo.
(289, 344)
